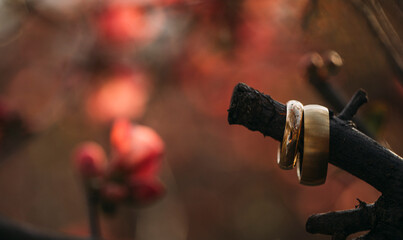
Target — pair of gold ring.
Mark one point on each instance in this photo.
(312, 162)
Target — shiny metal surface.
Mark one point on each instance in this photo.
(312, 166)
(286, 155)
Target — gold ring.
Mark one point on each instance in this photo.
(312, 165)
(286, 155)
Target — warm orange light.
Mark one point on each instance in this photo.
(122, 95)
(129, 24)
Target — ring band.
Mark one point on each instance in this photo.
(312, 165)
(286, 155)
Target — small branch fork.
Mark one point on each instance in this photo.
(359, 98)
(318, 72)
(349, 150)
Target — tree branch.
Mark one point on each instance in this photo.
(13, 231)
(349, 150)
(384, 30)
(345, 222)
(93, 217)
(359, 98)
(318, 74)
(257, 112)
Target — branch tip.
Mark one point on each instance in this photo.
(359, 98)
(346, 221)
(256, 111)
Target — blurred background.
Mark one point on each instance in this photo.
(69, 67)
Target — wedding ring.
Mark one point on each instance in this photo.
(286, 155)
(312, 165)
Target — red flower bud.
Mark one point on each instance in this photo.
(90, 160)
(138, 148)
(120, 136)
(148, 167)
(144, 191)
(146, 144)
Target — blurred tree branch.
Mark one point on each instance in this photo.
(13, 231)
(379, 23)
(349, 150)
(14, 132)
(318, 73)
(384, 30)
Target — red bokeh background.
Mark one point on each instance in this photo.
(69, 68)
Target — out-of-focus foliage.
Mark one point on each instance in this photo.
(69, 68)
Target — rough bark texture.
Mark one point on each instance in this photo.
(349, 150)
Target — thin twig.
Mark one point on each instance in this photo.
(359, 98)
(318, 77)
(384, 30)
(93, 217)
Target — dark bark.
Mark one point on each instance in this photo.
(359, 98)
(343, 222)
(13, 231)
(349, 150)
